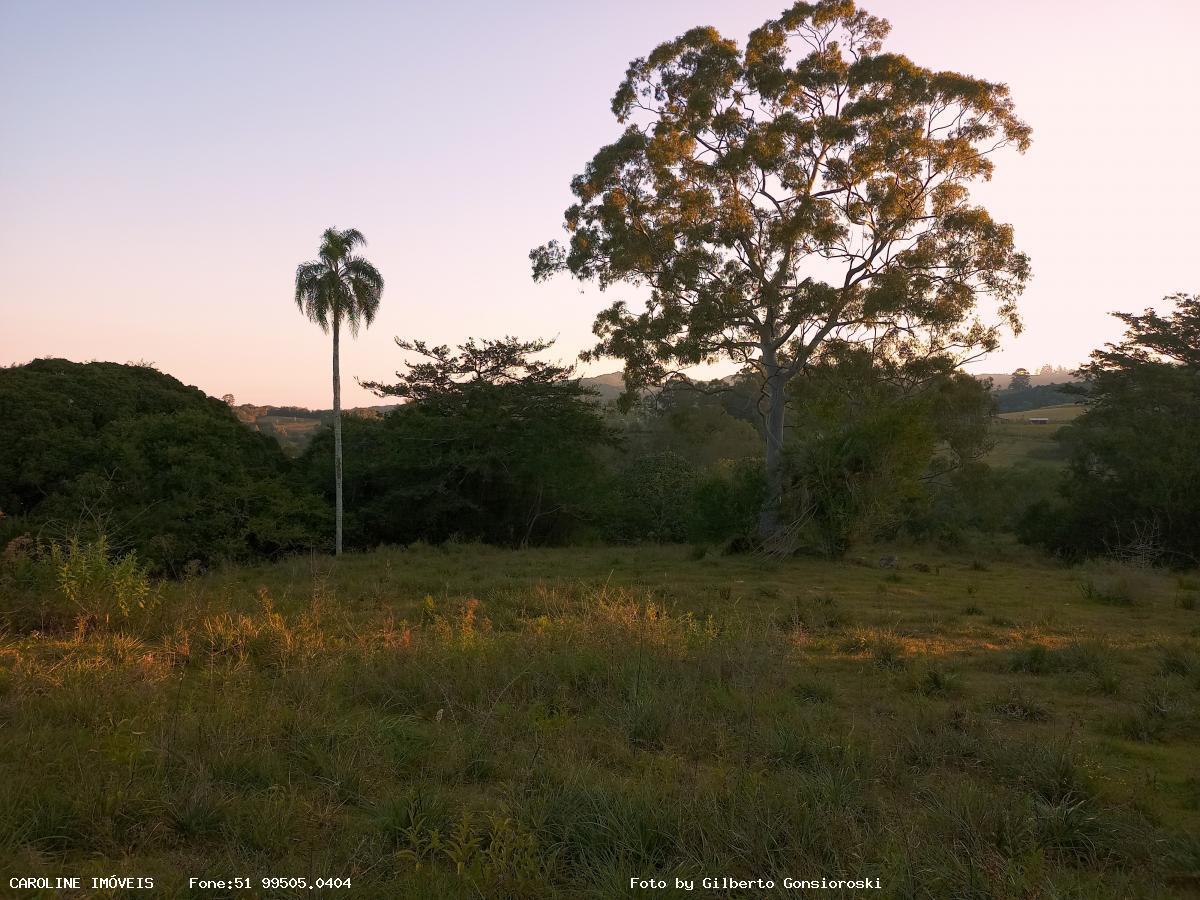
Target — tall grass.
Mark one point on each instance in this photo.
(555, 739)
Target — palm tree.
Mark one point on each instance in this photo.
(338, 285)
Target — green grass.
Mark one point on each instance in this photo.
(473, 722)
(1016, 441)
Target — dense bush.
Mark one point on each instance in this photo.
(166, 470)
(663, 498)
(688, 468)
(1133, 484)
(693, 422)
(726, 500)
(871, 437)
(492, 445)
(651, 499)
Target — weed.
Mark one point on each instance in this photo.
(1020, 707)
(1116, 585)
(1113, 593)
(813, 691)
(1038, 659)
(881, 645)
(1157, 711)
(935, 681)
(1181, 660)
(98, 585)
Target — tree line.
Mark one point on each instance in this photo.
(799, 205)
(494, 444)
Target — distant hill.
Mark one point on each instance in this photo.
(294, 426)
(613, 383)
(1001, 380)
(608, 386)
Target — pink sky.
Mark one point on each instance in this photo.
(165, 167)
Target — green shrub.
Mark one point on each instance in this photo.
(98, 583)
(651, 499)
(726, 500)
(76, 581)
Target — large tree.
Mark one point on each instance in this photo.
(805, 190)
(490, 443)
(338, 286)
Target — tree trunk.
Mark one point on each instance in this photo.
(776, 387)
(337, 442)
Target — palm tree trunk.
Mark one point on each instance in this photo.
(337, 441)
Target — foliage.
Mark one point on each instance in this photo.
(874, 440)
(725, 501)
(664, 498)
(1133, 485)
(986, 498)
(339, 286)
(702, 423)
(493, 445)
(807, 188)
(171, 472)
(651, 502)
(1020, 380)
(99, 584)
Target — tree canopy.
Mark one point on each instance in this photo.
(339, 285)
(808, 188)
(491, 444)
(164, 468)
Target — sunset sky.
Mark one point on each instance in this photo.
(164, 167)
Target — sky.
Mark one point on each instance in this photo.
(164, 166)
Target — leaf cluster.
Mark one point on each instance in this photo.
(807, 186)
(339, 285)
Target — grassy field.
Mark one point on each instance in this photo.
(474, 722)
(1017, 441)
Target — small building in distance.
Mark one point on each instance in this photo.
(1038, 420)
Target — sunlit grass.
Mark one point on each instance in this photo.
(466, 721)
